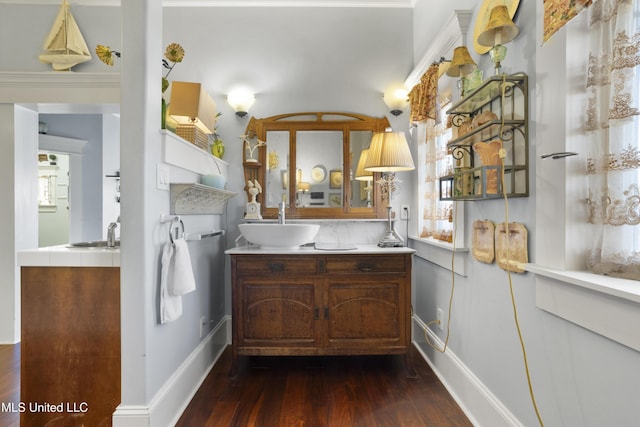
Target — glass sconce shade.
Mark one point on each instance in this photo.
(241, 100)
(396, 98)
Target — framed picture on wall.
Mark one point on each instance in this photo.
(335, 200)
(335, 178)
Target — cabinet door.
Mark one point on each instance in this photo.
(277, 313)
(366, 314)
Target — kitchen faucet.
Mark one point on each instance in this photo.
(281, 213)
(111, 233)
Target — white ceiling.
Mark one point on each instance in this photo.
(238, 3)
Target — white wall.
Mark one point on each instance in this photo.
(579, 378)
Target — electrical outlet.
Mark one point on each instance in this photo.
(440, 319)
(404, 212)
(203, 325)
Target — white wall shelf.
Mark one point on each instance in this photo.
(183, 154)
(198, 199)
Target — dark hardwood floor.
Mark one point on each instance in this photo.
(332, 391)
(298, 391)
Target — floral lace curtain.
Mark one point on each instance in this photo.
(612, 128)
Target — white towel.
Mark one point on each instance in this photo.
(183, 281)
(170, 305)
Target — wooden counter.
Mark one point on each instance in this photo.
(70, 350)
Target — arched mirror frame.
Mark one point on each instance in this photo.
(313, 121)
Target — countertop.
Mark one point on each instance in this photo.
(63, 256)
(311, 250)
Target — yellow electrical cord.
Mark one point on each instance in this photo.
(503, 154)
(453, 283)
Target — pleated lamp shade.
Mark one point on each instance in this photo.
(461, 63)
(389, 152)
(361, 173)
(500, 29)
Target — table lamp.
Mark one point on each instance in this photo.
(389, 153)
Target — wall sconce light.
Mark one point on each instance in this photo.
(389, 153)
(241, 100)
(194, 111)
(461, 65)
(396, 98)
(500, 29)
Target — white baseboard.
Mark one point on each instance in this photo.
(481, 406)
(169, 403)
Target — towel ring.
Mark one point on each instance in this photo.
(171, 228)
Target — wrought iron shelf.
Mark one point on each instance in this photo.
(507, 97)
(490, 90)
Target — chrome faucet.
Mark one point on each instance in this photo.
(111, 233)
(281, 213)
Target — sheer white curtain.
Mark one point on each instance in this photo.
(437, 163)
(612, 128)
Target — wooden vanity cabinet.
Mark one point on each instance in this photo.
(334, 304)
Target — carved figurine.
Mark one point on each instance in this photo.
(253, 207)
(251, 147)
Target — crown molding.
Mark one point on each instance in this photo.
(59, 87)
(452, 35)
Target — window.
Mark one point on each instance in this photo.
(436, 219)
(599, 303)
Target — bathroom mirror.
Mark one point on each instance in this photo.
(309, 161)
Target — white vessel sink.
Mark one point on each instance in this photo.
(279, 236)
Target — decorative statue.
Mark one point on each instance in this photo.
(253, 207)
(251, 146)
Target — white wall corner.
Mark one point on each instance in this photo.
(448, 38)
(174, 396)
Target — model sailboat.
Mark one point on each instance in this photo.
(64, 47)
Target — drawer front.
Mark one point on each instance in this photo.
(366, 264)
(251, 265)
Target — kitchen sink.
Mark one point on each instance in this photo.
(92, 244)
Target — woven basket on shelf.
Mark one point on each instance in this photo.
(194, 135)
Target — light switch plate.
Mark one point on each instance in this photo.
(162, 177)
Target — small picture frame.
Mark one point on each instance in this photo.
(335, 200)
(335, 178)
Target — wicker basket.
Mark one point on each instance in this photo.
(194, 135)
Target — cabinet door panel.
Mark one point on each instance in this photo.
(364, 313)
(279, 313)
